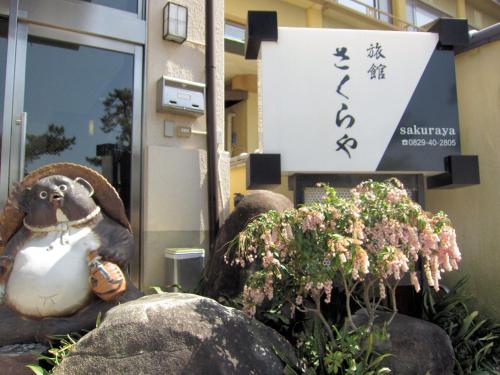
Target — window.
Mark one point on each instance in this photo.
(127, 5)
(234, 31)
(365, 6)
(419, 14)
(234, 37)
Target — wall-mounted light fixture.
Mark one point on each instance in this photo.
(175, 19)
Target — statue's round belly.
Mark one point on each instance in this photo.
(50, 274)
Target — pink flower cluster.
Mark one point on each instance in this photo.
(361, 263)
(312, 219)
(379, 234)
(390, 232)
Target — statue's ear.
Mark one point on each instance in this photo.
(85, 184)
(21, 197)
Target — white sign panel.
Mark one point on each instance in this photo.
(332, 99)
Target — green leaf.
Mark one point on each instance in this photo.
(466, 324)
(473, 330)
(369, 348)
(480, 354)
(379, 359)
(157, 289)
(384, 370)
(98, 320)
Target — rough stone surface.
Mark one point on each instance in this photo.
(175, 333)
(14, 358)
(219, 278)
(417, 346)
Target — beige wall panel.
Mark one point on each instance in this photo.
(175, 210)
(175, 198)
(475, 210)
(176, 189)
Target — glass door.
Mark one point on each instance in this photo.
(75, 95)
(74, 103)
(77, 108)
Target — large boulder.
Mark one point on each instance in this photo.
(418, 347)
(175, 333)
(221, 279)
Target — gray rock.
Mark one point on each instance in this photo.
(221, 279)
(418, 346)
(175, 333)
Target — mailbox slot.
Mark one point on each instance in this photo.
(180, 97)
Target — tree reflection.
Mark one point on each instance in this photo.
(117, 116)
(53, 142)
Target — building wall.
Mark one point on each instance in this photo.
(175, 209)
(475, 210)
(479, 19)
(446, 6)
(238, 183)
(239, 127)
(253, 122)
(288, 14)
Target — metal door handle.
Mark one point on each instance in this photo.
(23, 123)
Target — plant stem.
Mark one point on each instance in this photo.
(393, 302)
(322, 318)
(348, 302)
(369, 308)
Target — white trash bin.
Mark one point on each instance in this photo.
(184, 268)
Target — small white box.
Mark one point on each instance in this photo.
(184, 268)
(168, 129)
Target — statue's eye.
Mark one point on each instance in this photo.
(63, 187)
(43, 194)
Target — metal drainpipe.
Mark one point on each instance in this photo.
(213, 204)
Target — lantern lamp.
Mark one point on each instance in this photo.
(175, 19)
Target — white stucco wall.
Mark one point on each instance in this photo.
(175, 208)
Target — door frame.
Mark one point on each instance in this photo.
(61, 20)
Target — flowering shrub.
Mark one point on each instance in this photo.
(367, 242)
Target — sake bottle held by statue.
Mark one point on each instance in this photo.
(106, 278)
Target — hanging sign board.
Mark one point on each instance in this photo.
(358, 101)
